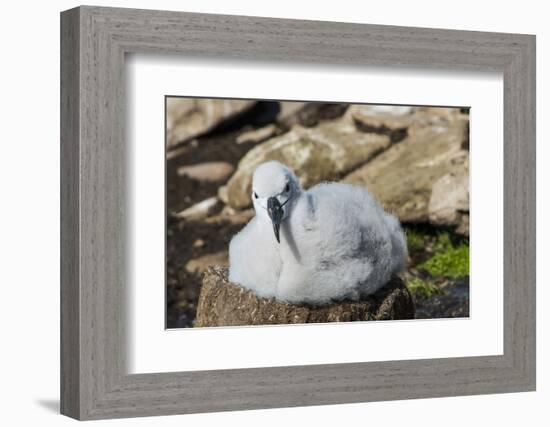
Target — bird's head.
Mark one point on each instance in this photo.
(274, 187)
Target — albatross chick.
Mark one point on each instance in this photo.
(329, 243)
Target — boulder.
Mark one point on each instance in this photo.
(450, 200)
(255, 136)
(222, 303)
(394, 111)
(447, 117)
(288, 109)
(200, 210)
(222, 194)
(438, 113)
(308, 114)
(464, 226)
(391, 121)
(230, 216)
(187, 118)
(402, 177)
(204, 262)
(207, 171)
(325, 152)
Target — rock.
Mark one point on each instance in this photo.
(452, 301)
(289, 108)
(187, 118)
(447, 113)
(222, 194)
(382, 110)
(466, 131)
(178, 151)
(402, 177)
(256, 136)
(222, 303)
(391, 122)
(230, 216)
(449, 200)
(440, 116)
(326, 152)
(208, 171)
(201, 264)
(464, 227)
(309, 114)
(444, 116)
(200, 210)
(199, 243)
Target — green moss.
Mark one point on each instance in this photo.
(416, 241)
(443, 242)
(436, 255)
(450, 261)
(426, 288)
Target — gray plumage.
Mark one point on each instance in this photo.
(336, 241)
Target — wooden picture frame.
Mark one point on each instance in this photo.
(94, 382)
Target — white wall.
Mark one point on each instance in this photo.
(29, 211)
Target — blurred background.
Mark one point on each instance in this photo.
(415, 160)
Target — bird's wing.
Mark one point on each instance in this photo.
(309, 218)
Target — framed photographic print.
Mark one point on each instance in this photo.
(261, 213)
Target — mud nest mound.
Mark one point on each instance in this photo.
(222, 303)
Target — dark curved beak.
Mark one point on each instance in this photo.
(275, 212)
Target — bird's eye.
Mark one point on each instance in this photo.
(255, 195)
(287, 188)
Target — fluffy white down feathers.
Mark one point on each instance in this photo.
(336, 241)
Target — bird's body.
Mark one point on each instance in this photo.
(335, 242)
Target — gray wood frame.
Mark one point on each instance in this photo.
(94, 41)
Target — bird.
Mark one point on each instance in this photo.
(329, 243)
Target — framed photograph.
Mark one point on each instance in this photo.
(262, 213)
